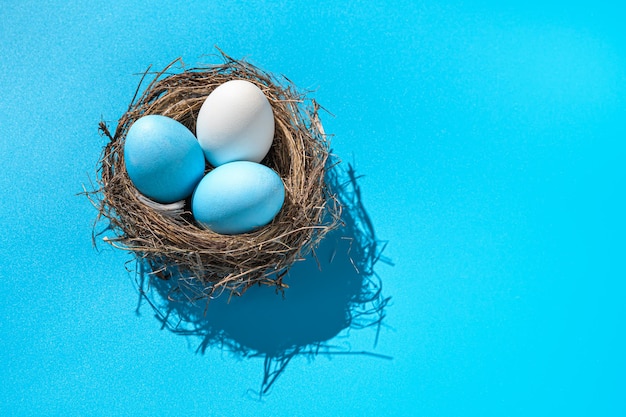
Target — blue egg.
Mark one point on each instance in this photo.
(163, 158)
(238, 197)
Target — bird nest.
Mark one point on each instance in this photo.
(166, 241)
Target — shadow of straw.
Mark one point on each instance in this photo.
(332, 290)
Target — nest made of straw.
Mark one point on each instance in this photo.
(168, 241)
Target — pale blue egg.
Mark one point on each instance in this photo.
(238, 197)
(163, 158)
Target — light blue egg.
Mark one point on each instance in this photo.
(163, 159)
(238, 197)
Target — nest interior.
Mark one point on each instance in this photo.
(168, 241)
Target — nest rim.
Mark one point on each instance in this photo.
(167, 240)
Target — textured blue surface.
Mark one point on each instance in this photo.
(491, 142)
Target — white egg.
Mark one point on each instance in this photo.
(235, 123)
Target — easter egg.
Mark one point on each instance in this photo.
(235, 123)
(163, 158)
(237, 197)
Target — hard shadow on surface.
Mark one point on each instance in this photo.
(333, 290)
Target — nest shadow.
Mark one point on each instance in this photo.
(332, 290)
(284, 290)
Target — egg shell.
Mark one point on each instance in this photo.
(163, 159)
(235, 123)
(238, 197)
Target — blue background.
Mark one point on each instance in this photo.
(491, 140)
